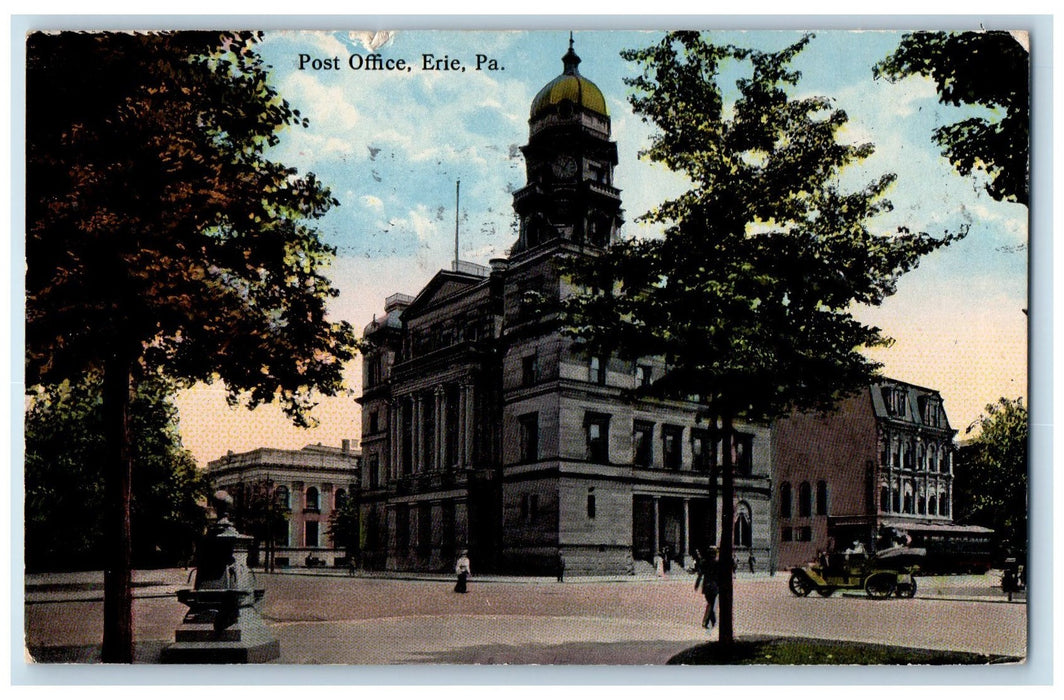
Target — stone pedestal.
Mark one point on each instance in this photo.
(222, 625)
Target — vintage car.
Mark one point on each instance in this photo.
(889, 572)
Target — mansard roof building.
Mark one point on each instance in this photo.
(483, 429)
(884, 458)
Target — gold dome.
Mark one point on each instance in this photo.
(569, 86)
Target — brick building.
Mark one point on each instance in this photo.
(884, 458)
(484, 430)
(307, 485)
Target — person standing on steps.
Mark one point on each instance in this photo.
(707, 577)
(461, 567)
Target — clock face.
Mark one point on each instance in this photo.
(565, 166)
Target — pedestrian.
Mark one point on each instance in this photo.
(461, 567)
(561, 567)
(706, 581)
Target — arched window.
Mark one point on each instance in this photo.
(908, 505)
(280, 496)
(340, 498)
(895, 500)
(785, 499)
(943, 504)
(932, 505)
(742, 531)
(805, 500)
(312, 499)
(884, 499)
(821, 497)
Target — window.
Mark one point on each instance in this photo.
(642, 375)
(597, 427)
(529, 428)
(340, 499)
(805, 500)
(741, 531)
(743, 448)
(805, 534)
(932, 505)
(908, 504)
(529, 370)
(786, 534)
(785, 500)
(312, 500)
(281, 540)
(642, 444)
(374, 422)
(701, 450)
(821, 497)
(895, 501)
(671, 435)
(529, 507)
(943, 505)
(591, 502)
(281, 497)
(373, 465)
(310, 532)
(884, 499)
(373, 371)
(596, 371)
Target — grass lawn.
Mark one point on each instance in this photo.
(790, 651)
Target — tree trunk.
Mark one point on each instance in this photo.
(727, 518)
(117, 575)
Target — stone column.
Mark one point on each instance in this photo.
(686, 529)
(439, 457)
(459, 427)
(467, 428)
(393, 440)
(657, 525)
(393, 543)
(416, 430)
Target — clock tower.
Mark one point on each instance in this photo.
(569, 160)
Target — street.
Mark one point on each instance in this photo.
(323, 619)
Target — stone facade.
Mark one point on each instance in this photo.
(307, 484)
(483, 429)
(885, 457)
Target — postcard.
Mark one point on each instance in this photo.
(580, 348)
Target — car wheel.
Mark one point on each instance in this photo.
(800, 585)
(879, 586)
(826, 592)
(906, 590)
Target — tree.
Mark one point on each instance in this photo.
(748, 294)
(985, 69)
(345, 526)
(990, 476)
(64, 486)
(256, 512)
(161, 241)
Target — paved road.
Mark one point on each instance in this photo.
(324, 619)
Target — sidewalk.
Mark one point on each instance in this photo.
(163, 583)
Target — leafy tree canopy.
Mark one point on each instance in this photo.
(159, 231)
(990, 69)
(990, 476)
(748, 295)
(64, 483)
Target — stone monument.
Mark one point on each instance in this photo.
(222, 624)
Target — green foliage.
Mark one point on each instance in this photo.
(988, 69)
(64, 486)
(990, 474)
(344, 525)
(157, 227)
(256, 511)
(748, 295)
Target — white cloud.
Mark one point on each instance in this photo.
(371, 202)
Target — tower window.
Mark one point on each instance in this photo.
(529, 370)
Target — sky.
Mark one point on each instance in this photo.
(392, 143)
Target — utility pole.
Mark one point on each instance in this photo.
(457, 192)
